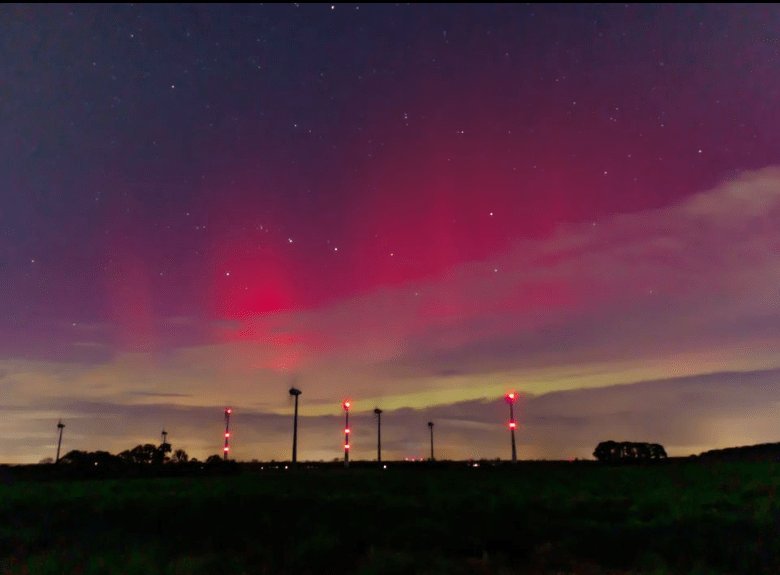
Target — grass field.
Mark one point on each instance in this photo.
(563, 518)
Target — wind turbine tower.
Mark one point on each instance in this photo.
(430, 424)
(60, 427)
(228, 411)
(295, 392)
(378, 434)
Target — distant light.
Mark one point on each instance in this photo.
(285, 467)
(226, 449)
(346, 430)
(512, 424)
(346, 446)
(347, 404)
(384, 467)
(227, 434)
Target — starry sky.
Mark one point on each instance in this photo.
(416, 207)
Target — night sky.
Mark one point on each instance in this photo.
(416, 207)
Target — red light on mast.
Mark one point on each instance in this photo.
(347, 404)
(346, 431)
(512, 424)
(226, 449)
(346, 446)
(511, 397)
(227, 434)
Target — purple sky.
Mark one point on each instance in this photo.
(416, 207)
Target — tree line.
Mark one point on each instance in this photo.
(151, 455)
(148, 454)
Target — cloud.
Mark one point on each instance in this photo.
(689, 290)
(91, 344)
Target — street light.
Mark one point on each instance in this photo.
(346, 405)
(510, 399)
(295, 392)
(378, 434)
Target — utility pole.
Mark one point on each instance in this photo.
(295, 392)
(378, 434)
(60, 427)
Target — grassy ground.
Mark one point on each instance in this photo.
(568, 518)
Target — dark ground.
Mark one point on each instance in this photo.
(668, 517)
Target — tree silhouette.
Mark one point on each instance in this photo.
(75, 457)
(161, 454)
(46, 461)
(628, 451)
(180, 456)
(657, 451)
(140, 454)
(607, 451)
(89, 460)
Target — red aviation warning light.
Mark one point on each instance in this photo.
(511, 397)
(346, 431)
(227, 434)
(226, 449)
(346, 446)
(512, 424)
(347, 404)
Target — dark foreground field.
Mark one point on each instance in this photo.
(566, 518)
